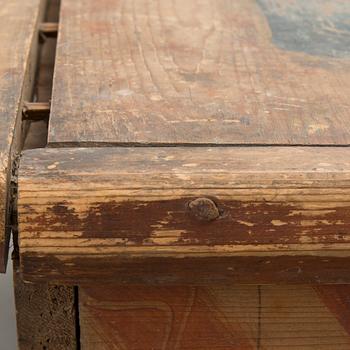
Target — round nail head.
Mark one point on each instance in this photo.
(204, 209)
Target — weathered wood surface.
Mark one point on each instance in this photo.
(18, 36)
(217, 317)
(85, 210)
(202, 72)
(46, 315)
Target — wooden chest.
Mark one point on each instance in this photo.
(176, 174)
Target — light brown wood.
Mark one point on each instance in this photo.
(18, 36)
(81, 210)
(216, 317)
(195, 221)
(202, 72)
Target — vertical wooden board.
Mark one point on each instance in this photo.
(219, 317)
(202, 72)
(18, 29)
(46, 315)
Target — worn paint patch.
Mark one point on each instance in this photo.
(170, 222)
(315, 27)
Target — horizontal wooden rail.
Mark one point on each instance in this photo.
(189, 215)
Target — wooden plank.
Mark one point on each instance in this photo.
(46, 315)
(202, 72)
(216, 317)
(18, 37)
(111, 210)
(77, 268)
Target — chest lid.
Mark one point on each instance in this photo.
(266, 72)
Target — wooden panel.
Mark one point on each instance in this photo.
(46, 315)
(18, 26)
(82, 209)
(202, 72)
(216, 317)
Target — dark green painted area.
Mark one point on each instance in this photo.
(315, 27)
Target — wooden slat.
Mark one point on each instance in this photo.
(18, 37)
(84, 211)
(216, 317)
(202, 72)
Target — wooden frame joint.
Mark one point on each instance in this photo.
(36, 110)
(48, 30)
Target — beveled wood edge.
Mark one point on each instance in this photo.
(269, 159)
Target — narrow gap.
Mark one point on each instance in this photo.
(36, 130)
(94, 144)
(77, 317)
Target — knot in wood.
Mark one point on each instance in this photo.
(204, 209)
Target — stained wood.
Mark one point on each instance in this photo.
(18, 36)
(216, 317)
(202, 72)
(46, 315)
(97, 212)
(74, 268)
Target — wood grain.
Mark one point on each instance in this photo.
(127, 205)
(216, 317)
(202, 72)
(18, 37)
(76, 268)
(46, 315)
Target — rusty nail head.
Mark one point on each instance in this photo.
(204, 209)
